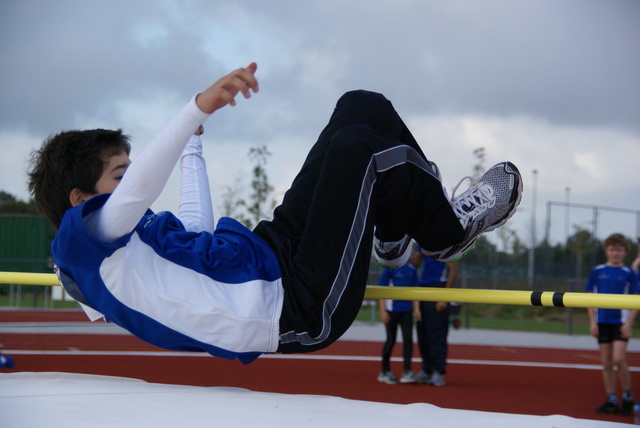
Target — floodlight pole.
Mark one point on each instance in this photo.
(532, 249)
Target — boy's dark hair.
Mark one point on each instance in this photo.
(69, 160)
(616, 239)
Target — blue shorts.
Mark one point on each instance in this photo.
(608, 333)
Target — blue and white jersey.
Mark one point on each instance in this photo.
(220, 293)
(612, 280)
(433, 272)
(404, 276)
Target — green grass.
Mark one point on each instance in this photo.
(26, 302)
(526, 325)
(515, 318)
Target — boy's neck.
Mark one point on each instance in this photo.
(613, 264)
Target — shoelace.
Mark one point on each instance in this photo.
(477, 198)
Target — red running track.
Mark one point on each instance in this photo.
(503, 379)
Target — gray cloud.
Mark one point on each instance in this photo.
(567, 61)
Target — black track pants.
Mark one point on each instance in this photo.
(365, 170)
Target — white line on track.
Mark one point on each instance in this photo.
(307, 357)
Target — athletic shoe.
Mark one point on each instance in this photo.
(483, 207)
(608, 408)
(422, 377)
(387, 377)
(408, 377)
(392, 255)
(5, 361)
(627, 407)
(436, 379)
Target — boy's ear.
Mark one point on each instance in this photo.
(76, 197)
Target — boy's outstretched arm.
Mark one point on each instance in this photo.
(148, 173)
(224, 91)
(196, 209)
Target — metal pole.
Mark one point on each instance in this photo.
(532, 248)
(567, 208)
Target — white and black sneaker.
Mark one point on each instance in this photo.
(392, 255)
(387, 377)
(485, 206)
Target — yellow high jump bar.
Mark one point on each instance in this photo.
(460, 295)
(506, 297)
(24, 278)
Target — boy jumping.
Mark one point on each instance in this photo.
(293, 284)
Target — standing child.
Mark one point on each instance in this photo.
(293, 284)
(394, 313)
(613, 327)
(433, 322)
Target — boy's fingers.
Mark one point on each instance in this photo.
(224, 91)
(239, 85)
(252, 67)
(247, 74)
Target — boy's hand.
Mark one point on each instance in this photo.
(625, 331)
(224, 91)
(384, 317)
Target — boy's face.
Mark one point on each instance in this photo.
(615, 255)
(112, 173)
(114, 169)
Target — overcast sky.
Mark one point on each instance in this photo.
(552, 85)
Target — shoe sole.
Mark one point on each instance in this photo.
(399, 261)
(464, 253)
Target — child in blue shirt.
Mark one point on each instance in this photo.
(394, 313)
(613, 327)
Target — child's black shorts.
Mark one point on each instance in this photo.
(608, 333)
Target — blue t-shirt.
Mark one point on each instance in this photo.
(612, 280)
(405, 276)
(220, 293)
(434, 272)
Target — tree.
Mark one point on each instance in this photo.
(260, 200)
(510, 240)
(10, 204)
(261, 188)
(581, 244)
(479, 168)
(6, 198)
(232, 203)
